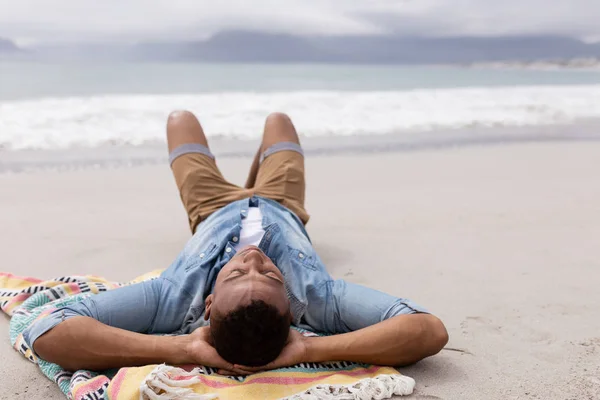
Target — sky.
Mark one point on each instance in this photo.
(55, 21)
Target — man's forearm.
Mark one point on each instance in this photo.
(84, 343)
(401, 340)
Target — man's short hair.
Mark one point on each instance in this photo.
(252, 335)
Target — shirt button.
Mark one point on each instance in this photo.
(301, 255)
(235, 239)
(201, 255)
(228, 250)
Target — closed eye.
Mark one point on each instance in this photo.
(240, 271)
(273, 275)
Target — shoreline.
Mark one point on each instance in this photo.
(126, 156)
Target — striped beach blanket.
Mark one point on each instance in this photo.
(26, 300)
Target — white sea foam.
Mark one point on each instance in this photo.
(55, 123)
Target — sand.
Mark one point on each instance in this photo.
(501, 242)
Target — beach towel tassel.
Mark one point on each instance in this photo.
(378, 388)
(169, 383)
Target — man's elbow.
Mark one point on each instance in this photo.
(45, 348)
(429, 336)
(436, 334)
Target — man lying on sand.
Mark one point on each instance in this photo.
(251, 270)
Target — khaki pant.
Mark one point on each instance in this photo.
(204, 190)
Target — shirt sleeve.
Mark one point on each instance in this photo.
(338, 306)
(132, 308)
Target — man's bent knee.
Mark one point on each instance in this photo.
(178, 116)
(183, 127)
(278, 128)
(279, 117)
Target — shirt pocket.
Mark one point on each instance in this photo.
(302, 258)
(202, 257)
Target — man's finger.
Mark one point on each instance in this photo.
(250, 370)
(239, 371)
(243, 372)
(255, 369)
(232, 372)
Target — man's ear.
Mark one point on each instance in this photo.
(208, 305)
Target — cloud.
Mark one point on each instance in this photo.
(133, 20)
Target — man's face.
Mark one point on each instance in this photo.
(249, 275)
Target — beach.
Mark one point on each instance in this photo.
(502, 242)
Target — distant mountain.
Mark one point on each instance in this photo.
(458, 50)
(7, 46)
(263, 47)
(83, 51)
(241, 46)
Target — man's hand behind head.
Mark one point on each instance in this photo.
(252, 335)
(202, 352)
(294, 352)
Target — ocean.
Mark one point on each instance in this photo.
(120, 109)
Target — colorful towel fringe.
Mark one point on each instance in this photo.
(28, 299)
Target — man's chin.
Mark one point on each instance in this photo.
(248, 249)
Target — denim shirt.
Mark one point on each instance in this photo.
(174, 303)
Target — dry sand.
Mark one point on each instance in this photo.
(503, 243)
